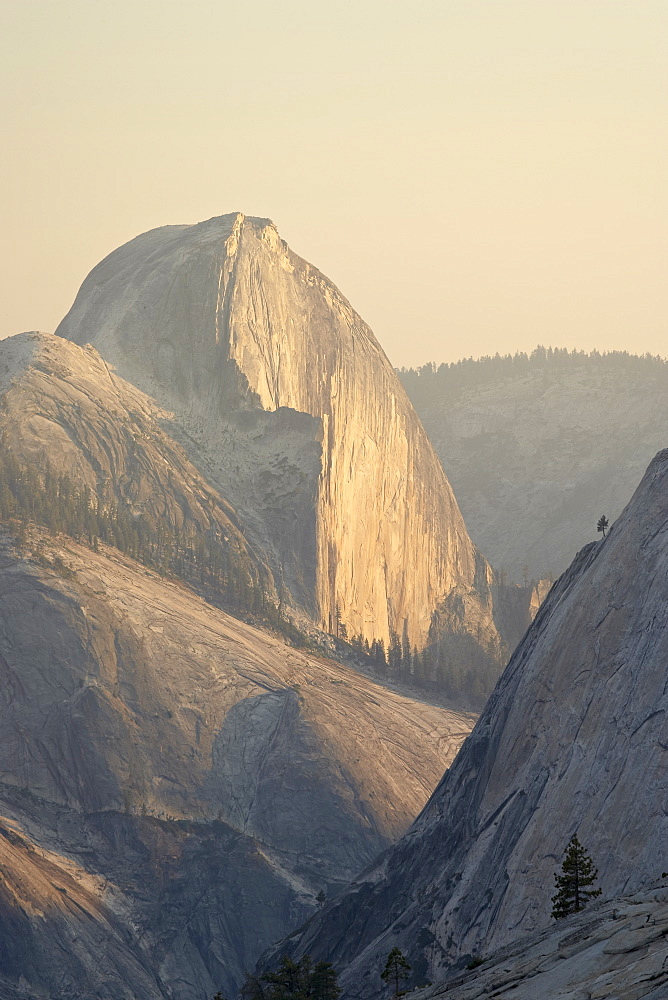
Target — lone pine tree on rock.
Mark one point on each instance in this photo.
(602, 524)
(578, 873)
(396, 969)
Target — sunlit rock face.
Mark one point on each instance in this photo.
(64, 411)
(573, 740)
(281, 392)
(175, 785)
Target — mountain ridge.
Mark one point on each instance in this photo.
(572, 733)
(179, 761)
(287, 393)
(164, 748)
(538, 446)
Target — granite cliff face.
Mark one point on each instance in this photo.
(64, 411)
(180, 784)
(282, 395)
(536, 449)
(573, 739)
(615, 948)
(175, 785)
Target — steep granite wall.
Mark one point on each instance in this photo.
(573, 739)
(198, 778)
(283, 395)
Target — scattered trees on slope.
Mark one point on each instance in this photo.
(202, 557)
(300, 980)
(452, 666)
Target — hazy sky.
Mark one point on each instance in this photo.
(475, 175)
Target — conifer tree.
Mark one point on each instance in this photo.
(396, 969)
(578, 873)
(394, 656)
(253, 989)
(323, 982)
(301, 980)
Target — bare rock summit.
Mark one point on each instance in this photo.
(283, 397)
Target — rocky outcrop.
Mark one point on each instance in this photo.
(64, 412)
(537, 449)
(179, 784)
(573, 739)
(123, 907)
(282, 394)
(614, 949)
(176, 785)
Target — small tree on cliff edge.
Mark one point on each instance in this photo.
(396, 969)
(603, 524)
(578, 873)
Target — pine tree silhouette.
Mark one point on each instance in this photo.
(396, 969)
(578, 873)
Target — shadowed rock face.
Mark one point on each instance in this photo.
(122, 907)
(175, 785)
(573, 739)
(204, 780)
(64, 411)
(281, 392)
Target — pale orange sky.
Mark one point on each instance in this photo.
(475, 175)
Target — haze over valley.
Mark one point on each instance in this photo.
(333, 500)
(537, 446)
(245, 636)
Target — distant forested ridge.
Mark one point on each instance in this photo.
(538, 446)
(428, 381)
